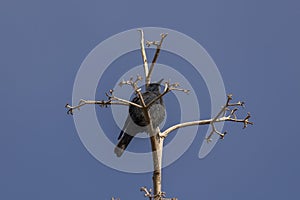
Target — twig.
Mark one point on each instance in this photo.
(158, 47)
(147, 192)
(112, 100)
(161, 196)
(131, 82)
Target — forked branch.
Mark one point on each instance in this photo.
(151, 196)
(111, 100)
(220, 117)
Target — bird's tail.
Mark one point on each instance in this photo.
(123, 143)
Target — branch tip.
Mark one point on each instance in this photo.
(246, 120)
(242, 104)
(163, 35)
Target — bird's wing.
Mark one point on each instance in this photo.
(124, 127)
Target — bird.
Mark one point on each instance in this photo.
(136, 122)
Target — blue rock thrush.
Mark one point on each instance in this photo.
(136, 122)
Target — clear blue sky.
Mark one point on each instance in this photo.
(255, 44)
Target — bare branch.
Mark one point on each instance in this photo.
(131, 82)
(112, 100)
(232, 113)
(158, 47)
(161, 196)
(175, 86)
(120, 101)
(144, 56)
(223, 113)
(220, 117)
(157, 149)
(83, 102)
(147, 192)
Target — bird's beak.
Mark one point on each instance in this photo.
(160, 81)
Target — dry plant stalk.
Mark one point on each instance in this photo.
(227, 113)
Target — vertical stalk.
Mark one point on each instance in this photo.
(144, 56)
(157, 147)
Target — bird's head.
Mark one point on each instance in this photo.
(154, 87)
